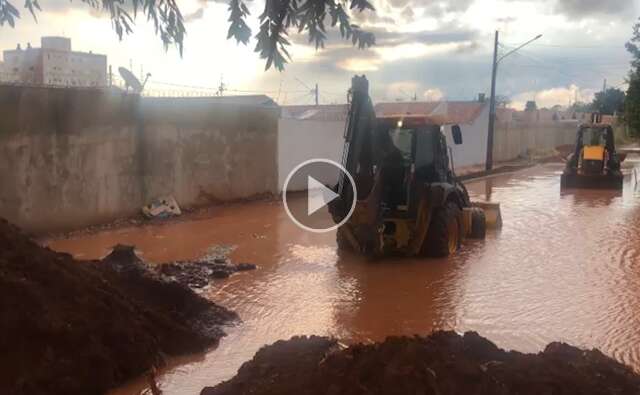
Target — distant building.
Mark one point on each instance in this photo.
(54, 64)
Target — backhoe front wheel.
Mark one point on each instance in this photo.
(445, 231)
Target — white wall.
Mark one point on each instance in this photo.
(473, 150)
(301, 140)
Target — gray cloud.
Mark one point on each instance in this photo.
(458, 5)
(408, 14)
(63, 6)
(584, 8)
(445, 35)
(369, 17)
(433, 8)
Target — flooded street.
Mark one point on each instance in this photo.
(563, 267)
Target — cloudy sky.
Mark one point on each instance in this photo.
(427, 48)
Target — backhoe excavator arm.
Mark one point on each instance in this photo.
(358, 156)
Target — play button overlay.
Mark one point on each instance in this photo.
(309, 189)
(318, 195)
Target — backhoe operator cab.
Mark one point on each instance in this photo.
(408, 198)
(412, 151)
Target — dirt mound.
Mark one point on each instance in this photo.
(443, 363)
(69, 327)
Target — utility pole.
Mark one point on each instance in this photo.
(221, 88)
(317, 94)
(492, 106)
(492, 103)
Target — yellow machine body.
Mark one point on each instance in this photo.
(593, 152)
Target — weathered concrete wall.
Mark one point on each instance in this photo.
(67, 157)
(518, 138)
(71, 158)
(201, 151)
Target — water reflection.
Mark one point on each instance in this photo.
(399, 297)
(591, 197)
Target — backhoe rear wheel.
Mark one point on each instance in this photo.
(445, 231)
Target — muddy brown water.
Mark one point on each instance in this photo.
(564, 267)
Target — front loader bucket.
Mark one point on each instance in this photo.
(598, 181)
(491, 213)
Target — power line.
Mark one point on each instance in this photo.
(574, 46)
(216, 89)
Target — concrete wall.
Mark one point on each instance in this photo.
(71, 158)
(67, 157)
(201, 151)
(301, 140)
(520, 138)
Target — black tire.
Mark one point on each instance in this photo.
(478, 224)
(445, 231)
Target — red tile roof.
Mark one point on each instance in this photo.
(462, 112)
(398, 108)
(333, 112)
(445, 111)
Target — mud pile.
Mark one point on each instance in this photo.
(70, 327)
(443, 363)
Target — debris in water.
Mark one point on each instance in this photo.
(198, 274)
(244, 266)
(443, 363)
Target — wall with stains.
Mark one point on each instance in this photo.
(67, 157)
(70, 158)
(202, 151)
(515, 139)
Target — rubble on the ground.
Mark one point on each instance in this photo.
(443, 363)
(216, 264)
(82, 327)
(198, 274)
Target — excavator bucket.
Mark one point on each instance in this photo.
(492, 213)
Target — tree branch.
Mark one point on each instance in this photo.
(307, 16)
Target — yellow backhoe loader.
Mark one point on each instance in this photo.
(408, 199)
(594, 162)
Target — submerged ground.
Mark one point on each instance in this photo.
(563, 268)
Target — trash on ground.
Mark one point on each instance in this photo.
(163, 207)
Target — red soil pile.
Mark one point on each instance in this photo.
(70, 327)
(444, 363)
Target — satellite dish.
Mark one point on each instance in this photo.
(130, 80)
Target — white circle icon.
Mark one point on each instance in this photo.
(306, 176)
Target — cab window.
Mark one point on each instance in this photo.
(403, 140)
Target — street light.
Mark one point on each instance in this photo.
(492, 105)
